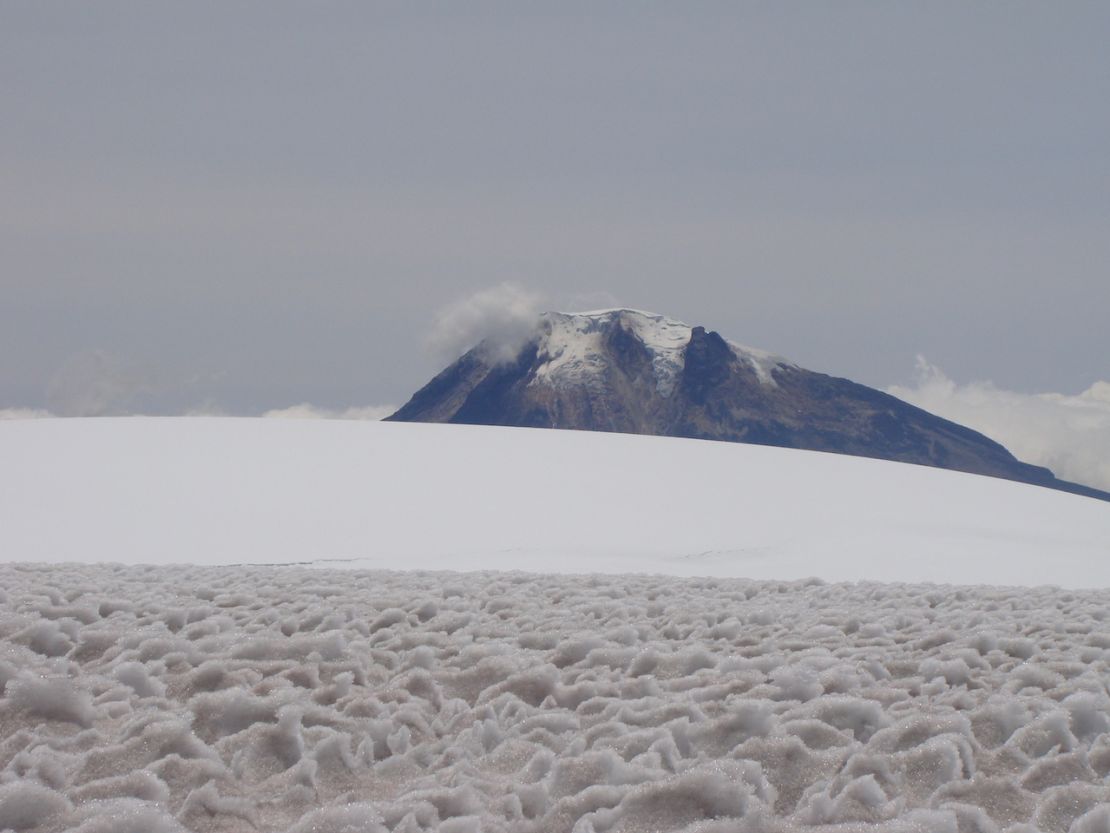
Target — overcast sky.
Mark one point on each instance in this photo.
(245, 206)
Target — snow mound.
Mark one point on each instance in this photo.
(227, 491)
(288, 699)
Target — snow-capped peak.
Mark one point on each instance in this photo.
(572, 347)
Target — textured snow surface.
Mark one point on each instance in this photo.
(227, 491)
(572, 344)
(284, 699)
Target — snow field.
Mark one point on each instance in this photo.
(163, 699)
(459, 497)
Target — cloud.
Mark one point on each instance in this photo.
(503, 318)
(1069, 434)
(307, 411)
(96, 383)
(302, 411)
(24, 413)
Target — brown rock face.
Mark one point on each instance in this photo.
(633, 372)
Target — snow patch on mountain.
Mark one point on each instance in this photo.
(572, 344)
(762, 362)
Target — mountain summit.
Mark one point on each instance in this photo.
(641, 373)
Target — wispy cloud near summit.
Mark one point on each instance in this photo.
(1069, 434)
(503, 316)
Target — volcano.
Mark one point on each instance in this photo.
(630, 371)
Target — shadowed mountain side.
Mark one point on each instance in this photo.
(632, 372)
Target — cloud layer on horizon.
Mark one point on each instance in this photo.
(1069, 434)
(25, 413)
(306, 410)
(303, 410)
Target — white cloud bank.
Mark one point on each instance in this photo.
(98, 383)
(1069, 434)
(24, 413)
(303, 410)
(307, 411)
(503, 316)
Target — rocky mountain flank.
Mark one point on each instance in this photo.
(637, 372)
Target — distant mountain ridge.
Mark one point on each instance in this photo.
(638, 372)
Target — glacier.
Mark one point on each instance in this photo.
(221, 625)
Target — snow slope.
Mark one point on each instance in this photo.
(237, 699)
(244, 491)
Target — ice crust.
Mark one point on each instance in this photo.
(163, 699)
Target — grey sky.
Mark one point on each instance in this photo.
(248, 205)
